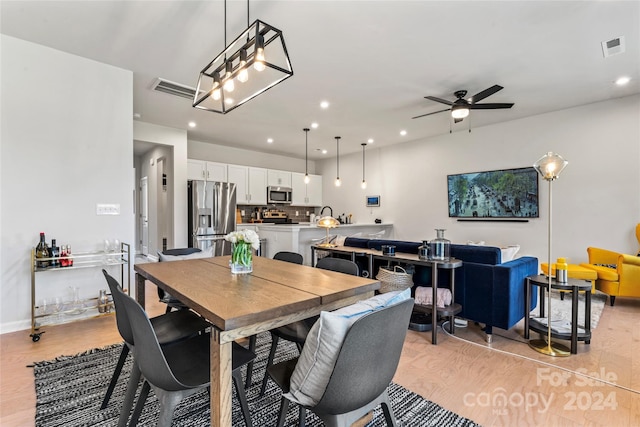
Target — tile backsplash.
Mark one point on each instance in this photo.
(295, 213)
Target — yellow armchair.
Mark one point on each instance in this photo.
(618, 274)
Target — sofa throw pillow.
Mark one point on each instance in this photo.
(320, 351)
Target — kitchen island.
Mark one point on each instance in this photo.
(299, 237)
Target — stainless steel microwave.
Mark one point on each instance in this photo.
(276, 194)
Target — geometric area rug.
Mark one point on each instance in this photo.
(70, 389)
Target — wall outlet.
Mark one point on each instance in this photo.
(108, 209)
(242, 212)
(297, 213)
(307, 213)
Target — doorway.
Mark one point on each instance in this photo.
(144, 216)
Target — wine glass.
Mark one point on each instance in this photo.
(42, 309)
(58, 306)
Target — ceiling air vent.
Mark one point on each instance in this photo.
(172, 88)
(613, 46)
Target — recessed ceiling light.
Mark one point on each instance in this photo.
(270, 140)
(314, 125)
(621, 81)
(192, 124)
(370, 141)
(324, 104)
(403, 132)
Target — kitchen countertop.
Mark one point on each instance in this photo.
(307, 225)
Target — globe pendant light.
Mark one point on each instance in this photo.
(306, 156)
(338, 182)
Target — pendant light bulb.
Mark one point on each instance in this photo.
(215, 89)
(229, 86)
(338, 182)
(258, 64)
(364, 183)
(243, 75)
(306, 156)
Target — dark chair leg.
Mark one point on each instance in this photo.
(561, 296)
(252, 348)
(387, 410)
(130, 395)
(612, 300)
(242, 397)
(284, 406)
(115, 376)
(139, 404)
(272, 353)
(302, 416)
(168, 309)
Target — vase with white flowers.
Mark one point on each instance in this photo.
(243, 243)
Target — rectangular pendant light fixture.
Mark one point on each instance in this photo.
(254, 62)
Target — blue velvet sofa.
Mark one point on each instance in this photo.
(489, 291)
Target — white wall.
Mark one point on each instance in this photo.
(238, 156)
(66, 145)
(596, 200)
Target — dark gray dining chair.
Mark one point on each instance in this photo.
(172, 302)
(169, 328)
(292, 257)
(364, 368)
(297, 332)
(339, 264)
(174, 371)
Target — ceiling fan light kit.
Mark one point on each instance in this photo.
(460, 107)
(258, 59)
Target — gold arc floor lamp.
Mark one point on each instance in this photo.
(549, 167)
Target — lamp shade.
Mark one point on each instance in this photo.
(328, 222)
(550, 165)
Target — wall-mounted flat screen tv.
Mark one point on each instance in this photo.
(507, 193)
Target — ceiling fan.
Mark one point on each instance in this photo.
(461, 106)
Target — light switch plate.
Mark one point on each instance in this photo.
(108, 209)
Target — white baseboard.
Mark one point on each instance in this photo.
(18, 325)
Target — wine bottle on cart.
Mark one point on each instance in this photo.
(42, 252)
(55, 254)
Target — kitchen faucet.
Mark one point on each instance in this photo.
(330, 210)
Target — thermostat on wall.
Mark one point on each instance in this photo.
(373, 201)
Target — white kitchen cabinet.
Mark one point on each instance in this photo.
(251, 184)
(306, 194)
(279, 178)
(208, 171)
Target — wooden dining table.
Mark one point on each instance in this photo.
(276, 293)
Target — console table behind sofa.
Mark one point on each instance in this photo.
(490, 292)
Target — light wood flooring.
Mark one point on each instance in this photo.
(482, 382)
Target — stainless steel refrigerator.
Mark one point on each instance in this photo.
(211, 215)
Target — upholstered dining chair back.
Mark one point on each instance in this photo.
(339, 264)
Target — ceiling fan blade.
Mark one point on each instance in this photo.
(490, 106)
(485, 93)
(443, 101)
(457, 120)
(428, 114)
